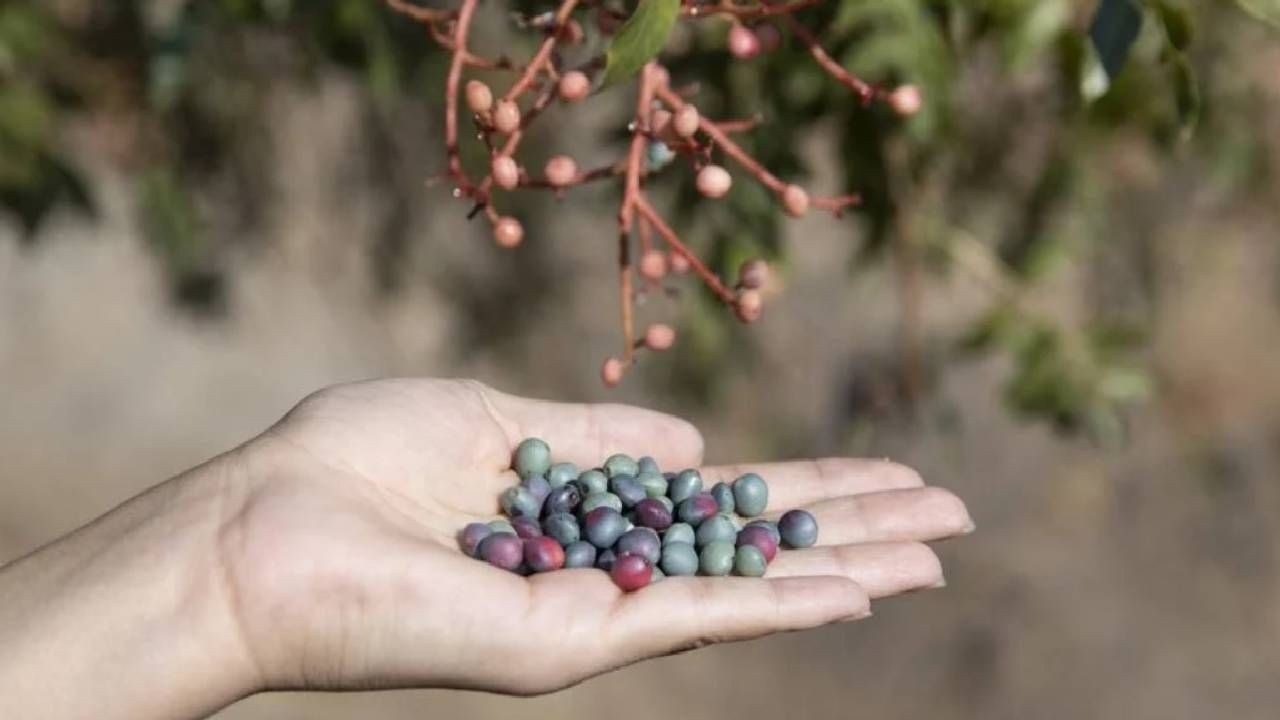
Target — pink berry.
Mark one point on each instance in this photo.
(573, 86)
(505, 172)
(748, 305)
(714, 181)
(653, 265)
(659, 336)
(508, 232)
(660, 125)
(795, 201)
(906, 100)
(611, 372)
(572, 33)
(506, 116)
(769, 37)
(753, 274)
(685, 122)
(479, 96)
(678, 263)
(561, 170)
(743, 43)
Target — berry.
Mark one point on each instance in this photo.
(696, 508)
(761, 539)
(678, 263)
(770, 527)
(564, 499)
(631, 572)
(579, 555)
(593, 481)
(526, 527)
(628, 489)
(657, 575)
(621, 464)
(660, 125)
(768, 37)
(795, 201)
(713, 181)
(537, 486)
(753, 274)
(561, 473)
(604, 499)
(573, 86)
(748, 305)
(684, 485)
(651, 513)
(479, 96)
(654, 484)
(906, 100)
(679, 558)
(717, 528)
(603, 526)
(572, 33)
(724, 497)
(471, 535)
(502, 526)
(502, 550)
(505, 172)
(799, 529)
(611, 372)
(647, 464)
(640, 541)
(743, 43)
(679, 532)
(666, 503)
(750, 494)
(657, 155)
(659, 336)
(506, 116)
(748, 561)
(543, 554)
(508, 232)
(561, 170)
(519, 502)
(563, 527)
(716, 558)
(685, 121)
(653, 264)
(605, 560)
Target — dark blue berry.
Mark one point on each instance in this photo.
(605, 560)
(471, 535)
(564, 499)
(603, 526)
(640, 541)
(563, 527)
(502, 550)
(799, 529)
(684, 485)
(628, 490)
(580, 554)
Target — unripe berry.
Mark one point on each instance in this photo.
(713, 181)
(659, 336)
(678, 263)
(743, 43)
(753, 274)
(611, 372)
(574, 86)
(795, 201)
(748, 305)
(506, 116)
(505, 172)
(561, 170)
(479, 96)
(768, 37)
(653, 265)
(508, 232)
(685, 122)
(906, 100)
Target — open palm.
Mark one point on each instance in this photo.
(340, 545)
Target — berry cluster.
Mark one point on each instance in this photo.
(632, 520)
(666, 125)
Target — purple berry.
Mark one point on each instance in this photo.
(631, 572)
(651, 513)
(580, 554)
(471, 535)
(537, 486)
(543, 554)
(605, 560)
(564, 499)
(628, 489)
(603, 526)
(503, 551)
(526, 527)
(770, 526)
(640, 541)
(697, 508)
(761, 539)
(799, 529)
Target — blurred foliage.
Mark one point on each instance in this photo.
(1017, 93)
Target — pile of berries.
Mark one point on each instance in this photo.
(632, 520)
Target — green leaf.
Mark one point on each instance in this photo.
(1265, 10)
(640, 39)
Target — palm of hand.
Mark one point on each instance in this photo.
(342, 560)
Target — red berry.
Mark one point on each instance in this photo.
(505, 172)
(759, 537)
(479, 96)
(795, 201)
(561, 170)
(678, 263)
(653, 265)
(573, 86)
(748, 305)
(543, 554)
(506, 116)
(768, 37)
(659, 336)
(714, 181)
(508, 232)
(631, 572)
(753, 274)
(685, 122)
(906, 100)
(611, 372)
(743, 43)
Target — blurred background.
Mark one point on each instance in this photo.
(1061, 300)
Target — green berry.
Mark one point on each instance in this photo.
(532, 457)
(684, 486)
(716, 528)
(750, 494)
(561, 473)
(621, 464)
(502, 526)
(679, 532)
(647, 464)
(654, 484)
(748, 561)
(593, 481)
(724, 497)
(679, 558)
(519, 502)
(600, 499)
(716, 558)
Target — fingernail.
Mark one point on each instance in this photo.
(940, 584)
(969, 528)
(859, 616)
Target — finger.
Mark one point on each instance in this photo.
(926, 513)
(689, 612)
(882, 569)
(800, 482)
(586, 434)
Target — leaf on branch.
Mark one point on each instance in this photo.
(1267, 11)
(640, 39)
